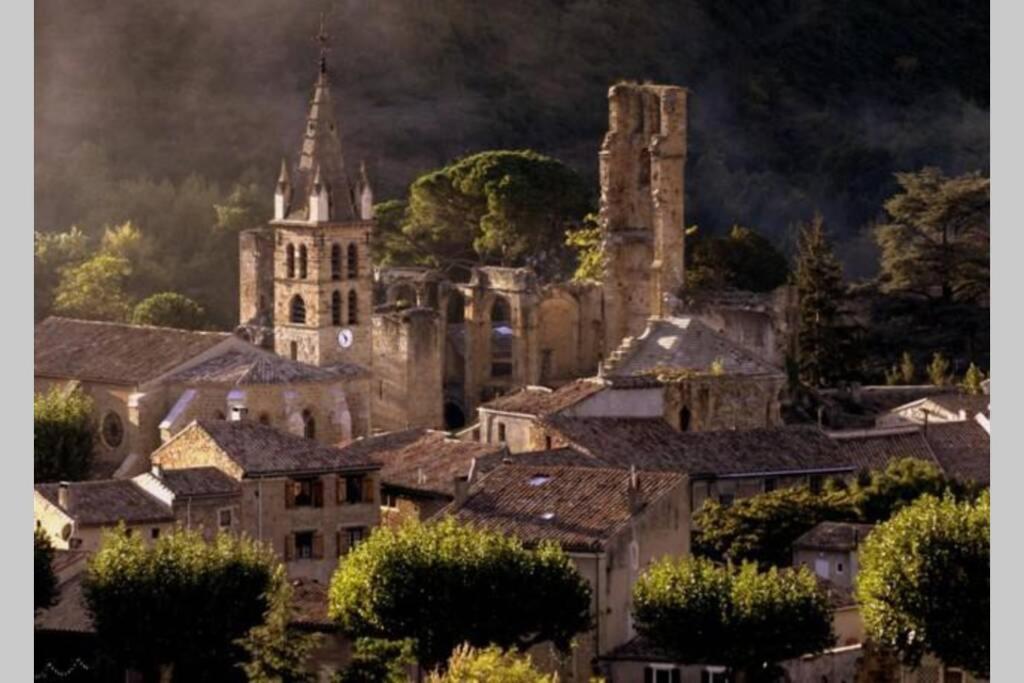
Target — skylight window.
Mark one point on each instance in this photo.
(539, 479)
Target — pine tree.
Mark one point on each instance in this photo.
(973, 379)
(819, 282)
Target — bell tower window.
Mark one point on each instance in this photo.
(353, 262)
(303, 261)
(353, 307)
(298, 310)
(289, 257)
(336, 308)
(335, 261)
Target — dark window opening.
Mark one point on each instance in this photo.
(264, 418)
(112, 430)
(303, 262)
(501, 338)
(298, 310)
(815, 483)
(293, 350)
(304, 545)
(308, 424)
(353, 308)
(456, 309)
(290, 260)
(454, 418)
(684, 419)
(336, 308)
(154, 533)
(355, 489)
(335, 261)
(770, 484)
(353, 262)
(501, 432)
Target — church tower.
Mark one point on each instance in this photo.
(320, 239)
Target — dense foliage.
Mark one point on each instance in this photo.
(704, 613)
(64, 435)
(169, 309)
(488, 588)
(277, 652)
(924, 582)
(45, 581)
(181, 604)
(491, 664)
(742, 259)
(376, 660)
(762, 528)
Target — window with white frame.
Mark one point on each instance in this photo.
(662, 673)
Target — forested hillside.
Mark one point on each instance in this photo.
(796, 105)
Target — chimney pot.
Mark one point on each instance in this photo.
(461, 490)
(63, 494)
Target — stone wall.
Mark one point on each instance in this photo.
(709, 402)
(256, 275)
(408, 386)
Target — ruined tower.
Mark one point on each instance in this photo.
(309, 272)
(641, 166)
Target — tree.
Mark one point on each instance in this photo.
(908, 373)
(973, 379)
(938, 370)
(587, 241)
(181, 605)
(743, 619)
(376, 660)
(169, 309)
(277, 653)
(743, 259)
(879, 494)
(488, 588)
(762, 528)
(819, 282)
(924, 586)
(94, 290)
(64, 435)
(491, 664)
(53, 253)
(45, 583)
(506, 208)
(935, 243)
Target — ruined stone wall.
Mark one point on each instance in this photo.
(764, 323)
(409, 386)
(724, 402)
(256, 275)
(642, 163)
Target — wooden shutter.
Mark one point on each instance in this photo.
(318, 546)
(342, 497)
(289, 494)
(289, 547)
(318, 493)
(367, 489)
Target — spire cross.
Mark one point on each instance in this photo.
(322, 37)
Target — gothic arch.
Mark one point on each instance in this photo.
(289, 258)
(297, 310)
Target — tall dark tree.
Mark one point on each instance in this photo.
(64, 435)
(742, 259)
(484, 588)
(819, 282)
(45, 582)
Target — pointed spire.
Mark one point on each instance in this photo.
(283, 194)
(323, 38)
(282, 177)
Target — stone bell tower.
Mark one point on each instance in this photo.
(315, 253)
(641, 166)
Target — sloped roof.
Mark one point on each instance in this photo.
(117, 353)
(835, 536)
(955, 402)
(542, 401)
(963, 449)
(580, 508)
(69, 614)
(653, 444)
(108, 502)
(259, 367)
(199, 481)
(875, 449)
(686, 343)
(424, 460)
(263, 450)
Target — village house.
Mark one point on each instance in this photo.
(309, 502)
(421, 469)
(146, 383)
(949, 407)
(612, 523)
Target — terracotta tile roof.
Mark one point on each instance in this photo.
(65, 560)
(686, 343)
(566, 456)
(108, 502)
(309, 604)
(199, 481)
(424, 460)
(580, 508)
(260, 367)
(543, 401)
(652, 444)
(639, 649)
(962, 449)
(263, 450)
(835, 536)
(874, 449)
(114, 352)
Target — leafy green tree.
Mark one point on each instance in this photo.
(938, 370)
(740, 618)
(183, 605)
(170, 309)
(507, 208)
(923, 584)
(973, 379)
(491, 664)
(94, 290)
(488, 588)
(935, 243)
(908, 373)
(45, 583)
(819, 282)
(587, 242)
(64, 435)
(879, 494)
(278, 653)
(53, 253)
(376, 660)
(762, 528)
(743, 259)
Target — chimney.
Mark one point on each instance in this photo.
(237, 409)
(238, 413)
(461, 490)
(157, 470)
(633, 491)
(64, 494)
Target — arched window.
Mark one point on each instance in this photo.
(501, 338)
(335, 261)
(353, 307)
(298, 310)
(308, 424)
(456, 310)
(353, 262)
(684, 419)
(290, 259)
(336, 308)
(294, 350)
(303, 261)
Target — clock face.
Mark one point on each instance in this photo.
(345, 338)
